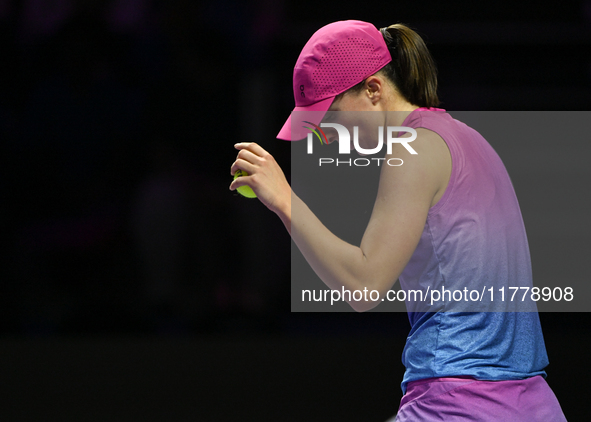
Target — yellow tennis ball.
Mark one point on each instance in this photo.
(244, 190)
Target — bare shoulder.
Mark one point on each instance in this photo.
(425, 173)
(438, 158)
(407, 190)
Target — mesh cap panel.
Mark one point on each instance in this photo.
(342, 64)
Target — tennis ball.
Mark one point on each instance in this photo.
(244, 190)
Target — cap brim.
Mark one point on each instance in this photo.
(294, 128)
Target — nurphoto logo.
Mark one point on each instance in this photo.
(344, 140)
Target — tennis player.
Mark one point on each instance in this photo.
(445, 219)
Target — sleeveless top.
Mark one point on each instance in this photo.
(474, 236)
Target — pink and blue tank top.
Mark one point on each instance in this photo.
(474, 236)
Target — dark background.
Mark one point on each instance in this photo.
(135, 286)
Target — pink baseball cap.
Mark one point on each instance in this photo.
(337, 57)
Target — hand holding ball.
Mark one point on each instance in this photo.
(244, 190)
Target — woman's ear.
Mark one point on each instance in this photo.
(374, 88)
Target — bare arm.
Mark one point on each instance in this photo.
(404, 197)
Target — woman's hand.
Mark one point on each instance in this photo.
(265, 177)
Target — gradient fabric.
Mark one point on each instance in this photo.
(470, 400)
(474, 236)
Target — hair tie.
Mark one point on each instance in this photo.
(387, 36)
